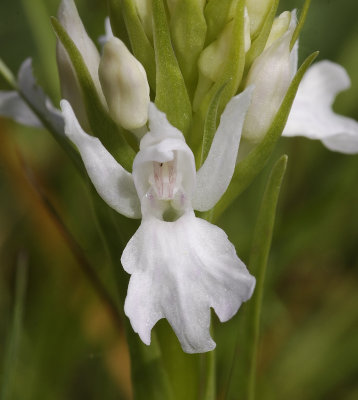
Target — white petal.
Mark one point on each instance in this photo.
(214, 176)
(312, 115)
(160, 128)
(112, 182)
(343, 142)
(294, 59)
(71, 21)
(179, 270)
(13, 106)
(37, 98)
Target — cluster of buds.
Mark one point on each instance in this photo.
(229, 46)
(195, 54)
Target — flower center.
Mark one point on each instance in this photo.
(165, 199)
(165, 179)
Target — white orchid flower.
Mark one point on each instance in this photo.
(180, 265)
(312, 115)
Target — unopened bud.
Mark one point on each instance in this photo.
(258, 10)
(124, 84)
(247, 36)
(70, 87)
(270, 74)
(279, 27)
(214, 57)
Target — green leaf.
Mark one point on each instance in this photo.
(101, 124)
(188, 29)
(259, 43)
(210, 124)
(247, 169)
(244, 359)
(258, 262)
(301, 22)
(171, 94)
(39, 24)
(13, 341)
(142, 49)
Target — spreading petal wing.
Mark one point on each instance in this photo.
(13, 106)
(312, 115)
(112, 182)
(214, 176)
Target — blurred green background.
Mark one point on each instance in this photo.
(68, 347)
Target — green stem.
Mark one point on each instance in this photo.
(210, 370)
(210, 357)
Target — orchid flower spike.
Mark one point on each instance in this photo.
(180, 265)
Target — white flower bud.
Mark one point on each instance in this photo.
(279, 27)
(124, 84)
(270, 74)
(70, 88)
(213, 58)
(247, 35)
(258, 10)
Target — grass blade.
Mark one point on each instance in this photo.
(13, 342)
(258, 262)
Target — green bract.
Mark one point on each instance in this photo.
(171, 94)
